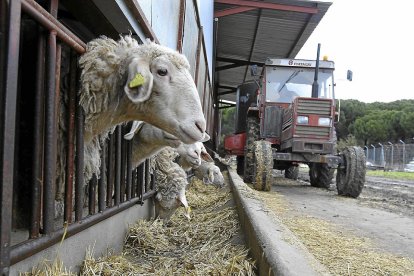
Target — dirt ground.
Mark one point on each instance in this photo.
(384, 212)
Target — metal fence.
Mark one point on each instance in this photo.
(389, 156)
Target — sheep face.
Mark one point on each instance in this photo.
(170, 95)
(190, 154)
(214, 177)
(166, 206)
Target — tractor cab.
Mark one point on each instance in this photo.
(286, 79)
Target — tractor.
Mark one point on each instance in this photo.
(286, 117)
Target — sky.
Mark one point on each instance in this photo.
(374, 39)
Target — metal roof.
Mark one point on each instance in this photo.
(248, 32)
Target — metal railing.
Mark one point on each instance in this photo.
(390, 156)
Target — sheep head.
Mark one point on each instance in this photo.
(123, 81)
(160, 80)
(214, 176)
(165, 206)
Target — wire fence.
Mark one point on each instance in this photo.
(392, 157)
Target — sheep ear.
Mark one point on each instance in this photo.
(211, 175)
(206, 137)
(136, 126)
(158, 197)
(206, 157)
(138, 86)
(182, 199)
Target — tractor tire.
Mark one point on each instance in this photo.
(252, 135)
(240, 165)
(262, 166)
(320, 175)
(350, 176)
(292, 172)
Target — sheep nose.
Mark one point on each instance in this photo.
(201, 125)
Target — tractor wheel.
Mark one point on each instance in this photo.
(350, 176)
(320, 175)
(292, 172)
(252, 135)
(240, 165)
(262, 166)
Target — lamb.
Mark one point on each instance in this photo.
(170, 184)
(209, 173)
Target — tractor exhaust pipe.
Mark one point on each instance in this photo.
(315, 85)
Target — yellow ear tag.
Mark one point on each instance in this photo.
(138, 80)
(188, 209)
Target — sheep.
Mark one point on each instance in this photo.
(209, 173)
(190, 156)
(123, 81)
(148, 140)
(170, 184)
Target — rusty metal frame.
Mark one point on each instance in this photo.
(198, 52)
(267, 5)
(11, 26)
(136, 10)
(181, 23)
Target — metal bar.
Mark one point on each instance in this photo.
(110, 180)
(50, 136)
(10, 21)
(52, 24)
(259, 16)
(118, 157)
(24, 250)
(147, 179)
(137, 182)
(37, 161)
(270, 6)
(70, 139)
(79, 162)
(92, 194)
(231, 11)
(141, 181)
(200, 38)
(181, 23)
(138, 13)
(204, 94)
(128, 169)
(238, 61)
(102, 180)
(123, 162)
(226, 92)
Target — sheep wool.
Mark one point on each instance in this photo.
(170, 184)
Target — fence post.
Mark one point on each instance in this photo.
(403, 163)
(382, 161)
(373, 159)
(392, 155)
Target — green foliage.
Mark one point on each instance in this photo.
(228, 120)
(376, 122)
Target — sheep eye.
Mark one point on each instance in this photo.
(162, 72)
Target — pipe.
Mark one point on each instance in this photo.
(37, 161)
(10, 24)
(70, 139)
(52, 24)
(50, 137)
